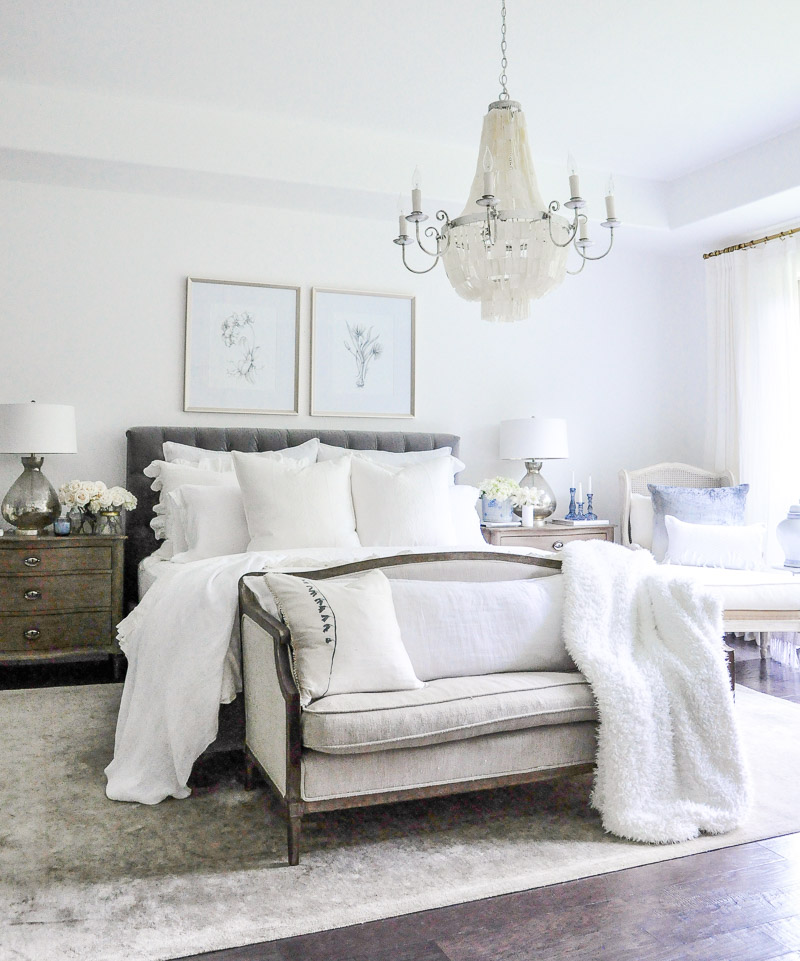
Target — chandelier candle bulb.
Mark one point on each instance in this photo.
(574, 182)
(402, 224)
(488, 173)
(416, 190)
(584, 228)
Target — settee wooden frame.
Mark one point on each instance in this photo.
(293, 804)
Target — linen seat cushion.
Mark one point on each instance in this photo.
(747, 590)
(448, 709)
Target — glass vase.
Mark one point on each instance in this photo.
(108, 522)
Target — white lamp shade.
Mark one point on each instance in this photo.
(37, 429)
(533, 438)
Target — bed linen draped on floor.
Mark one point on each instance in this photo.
(649, 641)
(183, 662)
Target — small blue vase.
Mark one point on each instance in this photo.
(494, 511)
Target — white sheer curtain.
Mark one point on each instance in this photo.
(753, 427)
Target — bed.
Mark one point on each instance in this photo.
(143, 572)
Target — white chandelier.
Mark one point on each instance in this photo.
(506, 248)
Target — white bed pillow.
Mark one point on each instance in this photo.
(221, 460)
(642, 520)
(213, 522)
(168, 478)
(345, 636)
(735, 547)
(292, 504)
(392, 458)
(466, 522)
(459, 629)
(403, 506)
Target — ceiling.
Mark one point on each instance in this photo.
(647, 89)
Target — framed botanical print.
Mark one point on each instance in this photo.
(242, 347)
(362, 354)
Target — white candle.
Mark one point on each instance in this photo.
(416, 190)
(573, 479)
(574, 183)
(610, 209)
(589, 491)
(488, 173)
(580, 492)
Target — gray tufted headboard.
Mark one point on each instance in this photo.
(144, 446)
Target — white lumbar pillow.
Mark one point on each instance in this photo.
(735, 547)
(392, 458)
(292, 504)
(458, 629)
(214, 523)
(642, 520)
(403, 506)
(221, 460)
(466, 521)
(345, 636)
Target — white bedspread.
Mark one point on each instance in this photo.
(183, 662)
(649, 641)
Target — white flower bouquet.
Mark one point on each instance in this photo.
(499, 488)
(93, 498)
(528, 497)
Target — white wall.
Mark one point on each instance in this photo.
(92, 309)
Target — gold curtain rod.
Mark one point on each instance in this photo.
(752, 243)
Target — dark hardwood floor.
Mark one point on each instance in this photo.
(735, 904)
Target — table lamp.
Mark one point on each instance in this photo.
(32, 503)
(534, 439)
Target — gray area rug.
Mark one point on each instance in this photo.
(85, 877)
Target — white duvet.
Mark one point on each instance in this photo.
(182, 648)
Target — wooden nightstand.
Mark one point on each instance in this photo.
(60, 598)
(548, 537)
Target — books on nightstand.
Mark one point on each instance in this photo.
(567, 523)
(503, 524)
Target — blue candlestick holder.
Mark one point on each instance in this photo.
(580, 516)
(571, 516)
(590, 514)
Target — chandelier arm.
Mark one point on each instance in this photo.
(607, 252)
(573, 273)
(553, 206)
(422, 247)
(413, 271)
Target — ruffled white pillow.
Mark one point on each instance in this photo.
(221, 460)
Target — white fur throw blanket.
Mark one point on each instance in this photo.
(669, 763)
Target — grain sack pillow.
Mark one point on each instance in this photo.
(345, 635)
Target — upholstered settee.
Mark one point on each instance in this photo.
(476, 722)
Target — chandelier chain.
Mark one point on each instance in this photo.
(504, 95)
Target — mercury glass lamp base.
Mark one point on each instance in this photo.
(31, 503)
(534, 479)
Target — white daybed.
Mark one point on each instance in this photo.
(753, 601)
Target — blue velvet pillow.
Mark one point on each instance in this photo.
(695, 505)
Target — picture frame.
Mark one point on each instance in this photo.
(242, 347)
(362, 353)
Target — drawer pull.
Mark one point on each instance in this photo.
(32, 561)
(33, 595)
(32, 634)
(558, 545)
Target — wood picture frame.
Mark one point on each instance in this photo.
(362, 353)
(242, 347)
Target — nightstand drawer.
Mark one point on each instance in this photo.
(33, 559)
(550, 541)
(40, 633)
(59, 592)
